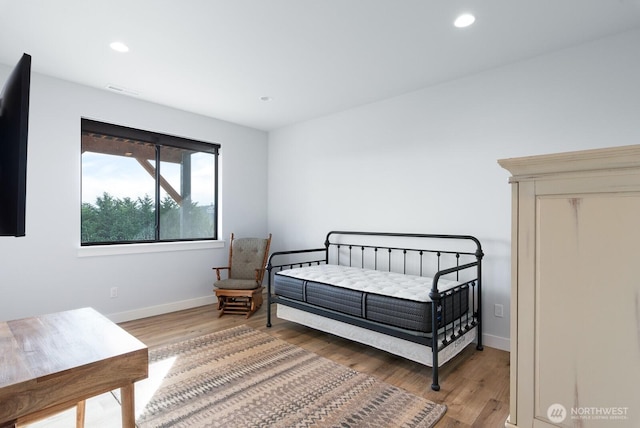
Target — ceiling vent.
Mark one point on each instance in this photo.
(121, 90)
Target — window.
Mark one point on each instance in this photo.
(140, 186)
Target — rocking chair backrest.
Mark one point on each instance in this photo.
(246, 255)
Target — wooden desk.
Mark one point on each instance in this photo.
(53, 362)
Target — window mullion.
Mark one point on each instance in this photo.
(157, 189)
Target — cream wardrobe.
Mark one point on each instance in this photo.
(575, 296)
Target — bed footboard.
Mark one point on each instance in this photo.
(453, 311)
(307, 257)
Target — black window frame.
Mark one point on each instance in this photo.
(159, 140)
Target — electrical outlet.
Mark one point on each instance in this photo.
(114, 292)
(498, 310)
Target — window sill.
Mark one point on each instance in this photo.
(156, 247)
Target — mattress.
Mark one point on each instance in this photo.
(386, 297)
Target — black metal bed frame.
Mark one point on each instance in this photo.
(442, 301)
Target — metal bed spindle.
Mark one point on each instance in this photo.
(375, 256)
(404, 262)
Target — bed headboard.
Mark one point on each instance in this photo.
(406, 253)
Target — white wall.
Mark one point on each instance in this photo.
(426, 161)
(43, 272)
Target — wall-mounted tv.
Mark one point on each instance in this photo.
(14, 126)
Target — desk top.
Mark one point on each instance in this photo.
(47, 344)
(72, 353)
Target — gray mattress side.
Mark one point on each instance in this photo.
(402, 313)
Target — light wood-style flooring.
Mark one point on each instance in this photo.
(474, 385)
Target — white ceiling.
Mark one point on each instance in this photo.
(314, 57)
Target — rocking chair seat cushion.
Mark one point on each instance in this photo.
(236, 284)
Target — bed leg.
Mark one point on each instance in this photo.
(479, 346)
(269, 295)
(479, 255)
(435, 385)
(434, 359)
(435, 303)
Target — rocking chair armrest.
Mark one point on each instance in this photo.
(259, 274)
(218, 269)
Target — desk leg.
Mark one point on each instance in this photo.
(128, 406)
(80, 407)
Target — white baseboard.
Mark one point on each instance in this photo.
(497, 342)
(161, 309)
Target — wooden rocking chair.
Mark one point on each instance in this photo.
(241, 291)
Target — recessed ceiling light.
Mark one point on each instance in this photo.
(119, 47)
(464, 20)
(265, 98)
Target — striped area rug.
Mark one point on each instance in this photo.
(242, 377)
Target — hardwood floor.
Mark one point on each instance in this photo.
(474, 385)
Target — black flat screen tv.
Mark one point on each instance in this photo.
(14, 127)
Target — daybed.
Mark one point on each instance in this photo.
(386, 290)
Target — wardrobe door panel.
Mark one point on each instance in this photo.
(587, 304)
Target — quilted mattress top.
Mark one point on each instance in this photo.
(392, 284)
